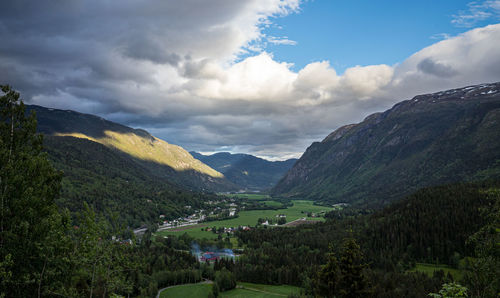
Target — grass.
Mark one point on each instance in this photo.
(430, 268)
(260, 290)
(190, 290)
(249, 218)
(251, 196)
(243, 289)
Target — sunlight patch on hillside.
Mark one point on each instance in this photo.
(150, 149)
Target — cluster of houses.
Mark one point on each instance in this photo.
(182, 221)
(122, 241)
(196, 217)
(230, 230)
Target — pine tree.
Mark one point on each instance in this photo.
(343, 277)
(353, 282)
(328, 277)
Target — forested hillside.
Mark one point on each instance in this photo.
(161, 159)
(432, 139)
(112, 184)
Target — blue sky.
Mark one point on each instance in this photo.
(349, 33)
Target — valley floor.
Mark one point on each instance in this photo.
(300, 209)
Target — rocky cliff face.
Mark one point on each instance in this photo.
(431, 139)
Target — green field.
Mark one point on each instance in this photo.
(252, 196)
(257, 290)
(249, 218)
(189, 290)
(243, 290)
(430, 268)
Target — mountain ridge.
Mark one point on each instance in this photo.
(164, 160)
(431, 139)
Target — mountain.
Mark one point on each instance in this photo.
(432, 139)
(247, 171)
(160, 158)
(113, 185)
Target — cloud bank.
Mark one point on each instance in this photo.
(195, 74)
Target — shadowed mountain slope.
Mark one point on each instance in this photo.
(431, 139)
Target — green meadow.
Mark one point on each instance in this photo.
(299, 209)
(430, 268)
(189, 290)
(243, 289)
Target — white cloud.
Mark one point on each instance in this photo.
(441, 36)
(478, 11)
(366, 82)
(281, 41)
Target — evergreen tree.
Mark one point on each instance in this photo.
(353, 282)
(343, 277)
(32, 231)
(328, 277)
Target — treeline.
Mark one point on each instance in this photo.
(260, 204)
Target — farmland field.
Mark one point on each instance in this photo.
(243, 290)
(249, 218)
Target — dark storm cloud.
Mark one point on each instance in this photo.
(435, 68)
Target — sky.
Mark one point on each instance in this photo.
(264, 77)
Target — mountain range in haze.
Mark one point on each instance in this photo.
(252, 173)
